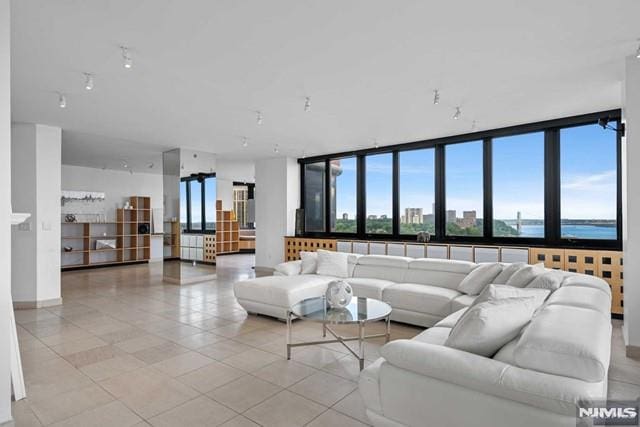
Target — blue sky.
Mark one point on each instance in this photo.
(588, 177)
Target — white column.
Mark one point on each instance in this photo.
(631, 206)
(277, 198)
(36, 176)
(5, 211)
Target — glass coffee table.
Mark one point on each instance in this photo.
(360, 311)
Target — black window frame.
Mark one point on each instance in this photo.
(552, 237)
(188, 180)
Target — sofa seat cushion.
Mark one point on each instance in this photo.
(436, 335)
(369, 288)
(568, 341)
(282, 291)
(451, 320)
(462, 301)
(420, 298)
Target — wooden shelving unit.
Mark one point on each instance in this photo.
(131, 245)
(227, 231)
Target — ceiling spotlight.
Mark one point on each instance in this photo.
(150, 165)
(456, 116)
(62, 101)
(124, 164)
(127, 62)
(244, 141)
(436, 97)
(307, 104)
(88, 81)
(259, 117)
(276, 149)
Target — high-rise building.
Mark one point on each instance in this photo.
(345, 216)
(413, 215)
(372, 217)
(468, 219)
(451, 215)
(428, 218)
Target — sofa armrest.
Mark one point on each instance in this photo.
(546, 391)
(289, 268)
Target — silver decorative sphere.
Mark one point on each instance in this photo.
(339, 294)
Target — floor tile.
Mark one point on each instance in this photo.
(66, 405)
(240, 421)
(283, 410)
(353, 406)
(284, 372)
(210, 376)
(109, 415)
(251, 360)
(324, 388)
(77, 346)
(196, 341)
(332, 418)
(201, 411)
(244, 393)
(182, 364)
(111, 367)
(161, 352)
(223, 349)
(143, 342)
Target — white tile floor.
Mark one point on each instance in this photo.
(126, 349)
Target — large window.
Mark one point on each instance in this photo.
(554, 183)
(243, 194)
(198, 203)
(183, 205)
(464, 189)
(379, 193)
(417, 191)
(344, 173)
(314, 181)
(588, 165)
(195, 205)
(518, 185)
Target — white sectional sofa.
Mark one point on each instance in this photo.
(559, 359)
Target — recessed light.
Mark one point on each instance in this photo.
(244, 141)
(276, 149)
(436, 97)
(127, 62)
(88, 81)
(258, 117)
(62, 101)
(456, 115)
(307, 104)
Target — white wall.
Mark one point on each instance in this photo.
(36, 161)
(118, 186)
(277, 198)
(631, 204)
(5, 210)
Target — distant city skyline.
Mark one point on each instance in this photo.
(588, 177)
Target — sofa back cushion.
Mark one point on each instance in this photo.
(333, 263)
(438, 272)
(479, 277)
(393, 268)
(525, 275)
(568, 341)
(495, 292)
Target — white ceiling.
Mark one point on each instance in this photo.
(202, 68)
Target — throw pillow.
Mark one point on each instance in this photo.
(525, 275)
(550, 280)
(479, 277)
(507, 272)
(309, 262)
(333, 263)
(485, 328)
(291, 268)
(494, 292)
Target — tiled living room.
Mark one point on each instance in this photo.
(285, 213)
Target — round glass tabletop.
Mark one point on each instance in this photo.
(359, 309)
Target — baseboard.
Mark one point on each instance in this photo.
(30, 305)
(10, 423)
(633, 351)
